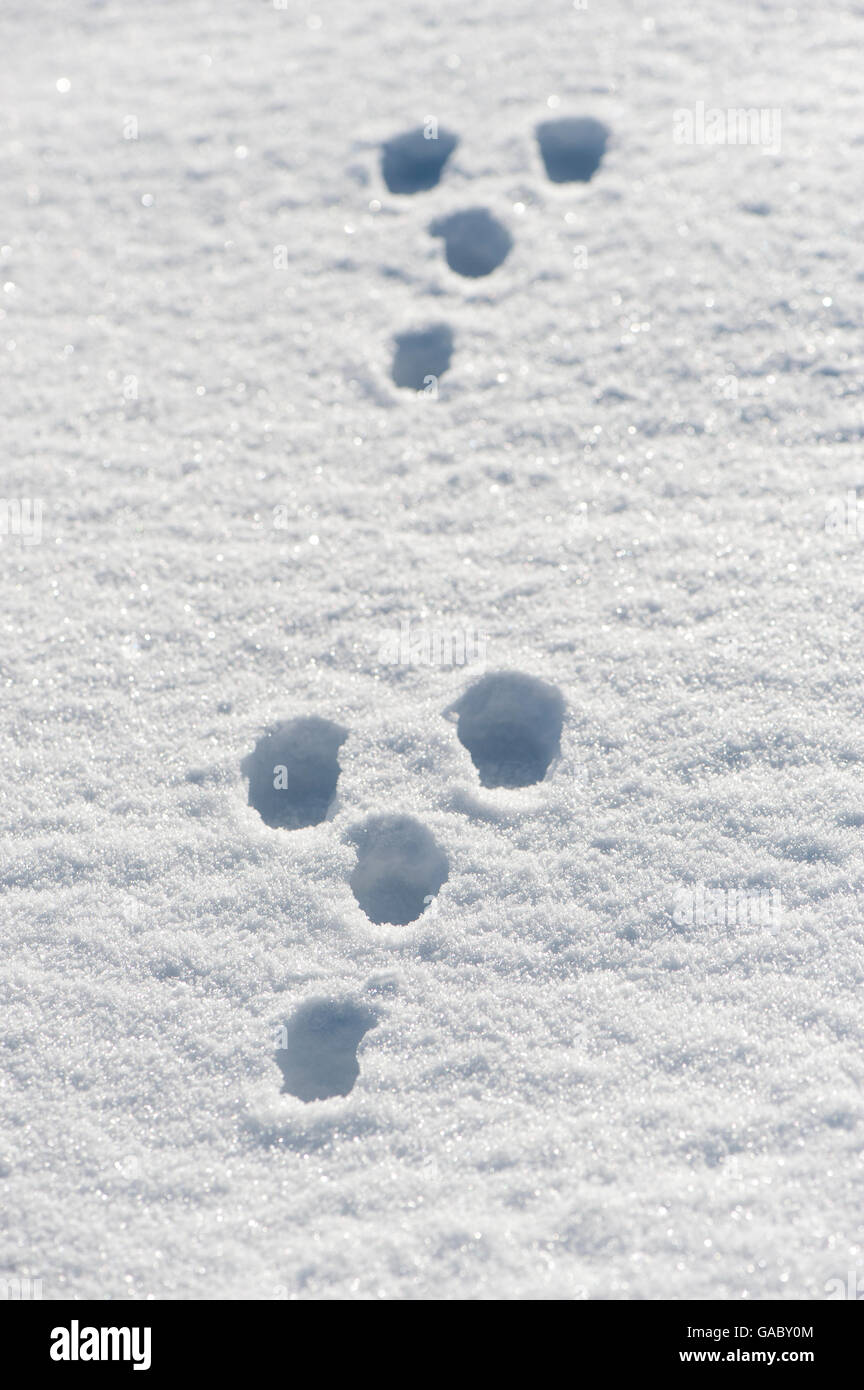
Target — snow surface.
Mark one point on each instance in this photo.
(622, 481)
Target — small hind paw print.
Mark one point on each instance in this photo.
(422, 357)
(400, 869)
(293, 771)
(476, 243)
(317, 1048)
(414, 162)
(572, 149)
(510, 724)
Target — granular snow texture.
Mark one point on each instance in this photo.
(543, 1085)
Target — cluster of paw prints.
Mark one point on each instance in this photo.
(475, 242)
(510, 724)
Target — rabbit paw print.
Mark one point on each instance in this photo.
(511, 725)
(475, 242)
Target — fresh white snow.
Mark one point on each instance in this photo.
(622, 482)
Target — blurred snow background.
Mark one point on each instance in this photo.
(652, 407)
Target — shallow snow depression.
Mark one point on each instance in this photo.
(431, 652)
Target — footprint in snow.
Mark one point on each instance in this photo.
(475, 242)
(399, 869)
(511, 725)
(293, 771)
(317, 1050)
(421, 357)
(414, 162)
(572, 148)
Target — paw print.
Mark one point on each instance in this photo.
(475, 242)
(510, 723)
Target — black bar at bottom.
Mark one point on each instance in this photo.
(157, 1339)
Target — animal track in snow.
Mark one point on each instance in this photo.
(414, 162)
(293, 772)
(318, 1052)
(399, 869)
(511, 725)
(572, 148)
(422, 357)
(475, 243)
